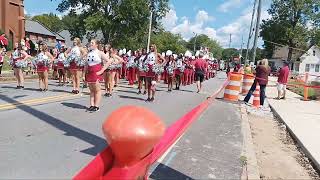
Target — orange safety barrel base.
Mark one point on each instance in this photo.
(248, 80)
(232, 90)
(256, 97)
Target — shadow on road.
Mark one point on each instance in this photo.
(98, 143)
(130, 97)
(133, 92)
(21, 96)
(74, 106)
(164, 172)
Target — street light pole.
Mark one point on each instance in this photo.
(250, 31)
(195, 41)
(150, 29)
(256, 33)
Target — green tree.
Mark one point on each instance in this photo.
(288, 24)
(74, 24)
(204, 41)
(117, 19)
(51, 21)
(167, 41)
(229, 53)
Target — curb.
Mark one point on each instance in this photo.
(250, 167)
(316, 164)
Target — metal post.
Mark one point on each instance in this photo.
(194, 45)
(256, 33)
(241, 50)
(250, 31)
(150, 29)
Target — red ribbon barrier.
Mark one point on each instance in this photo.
(101, 167)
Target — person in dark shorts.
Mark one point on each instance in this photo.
(201, 67)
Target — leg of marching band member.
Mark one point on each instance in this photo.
(91, 88)
(21, 78)
(97, 95)
(45, 79)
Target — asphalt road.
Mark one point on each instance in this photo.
(50, 135)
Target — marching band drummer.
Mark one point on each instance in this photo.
(171, 65)
(142, 71)
(75, 55)
(94, 70)
(179, 71)
(151, 61)
(19, 58)
(60, 66)
(43, 61)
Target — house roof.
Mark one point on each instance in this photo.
(36, 27)
(59, 37)
(68, 40)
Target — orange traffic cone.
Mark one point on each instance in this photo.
(256, 96)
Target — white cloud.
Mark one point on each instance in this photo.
(226, 6)
(203, 16)
(170, 20)
(187, 28)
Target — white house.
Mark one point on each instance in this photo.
(280, 54)
(309, 62)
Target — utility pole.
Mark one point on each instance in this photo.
(230, 40)
(256, 33)
(195, 41)
(250, 31)
(241, 49)
(150, 29)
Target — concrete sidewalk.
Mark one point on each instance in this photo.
(302, 118)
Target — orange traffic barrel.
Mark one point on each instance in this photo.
(247, 82)
(232, 91)
(256, 96)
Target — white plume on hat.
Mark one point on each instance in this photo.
(175, 56)
(124, 51)
(197, 53)
(120, 52)
(169, 53)
(129, 53)
(163, 54)
(188, 54)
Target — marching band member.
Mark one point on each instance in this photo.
(55, 54)
(179, 71)
(171, 65)
(60, 66)
(142, 71)
(107, 48)
(152, 61)
(76, 53)
(118, 67)
(94, 69)
(18, 58)
(111, 71)
(131, 68)
(43, 61)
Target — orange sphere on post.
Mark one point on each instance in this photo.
(132, 132)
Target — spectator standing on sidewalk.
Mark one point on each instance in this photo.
(201, 68)
(283, 80)
(262, 73)
(2, 54)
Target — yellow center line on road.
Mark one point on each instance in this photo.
(36, 101)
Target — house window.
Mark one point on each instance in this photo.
(307, 68)
(314, 53)
(317, 68)
(312, 67)
(296, 67)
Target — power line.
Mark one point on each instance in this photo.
(284, 45)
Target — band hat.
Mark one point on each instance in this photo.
(163, 54)
(124, 51)
(120, 52)
(169, 53)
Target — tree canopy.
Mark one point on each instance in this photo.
(51, 21)
(288, 24)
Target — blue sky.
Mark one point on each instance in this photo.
(216, 18)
